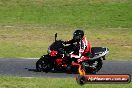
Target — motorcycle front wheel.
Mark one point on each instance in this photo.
(44, 64)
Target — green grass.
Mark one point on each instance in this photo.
(28, 41)
(17, 82)
(77, 13)
(27, 26)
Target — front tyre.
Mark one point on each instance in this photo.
(39, 65)
(44, 64)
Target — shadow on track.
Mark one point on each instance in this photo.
(52, 71)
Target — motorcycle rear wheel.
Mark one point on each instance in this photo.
(90, 70)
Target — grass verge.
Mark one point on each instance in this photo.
(27, 26)
(31, 41)
(17, 82)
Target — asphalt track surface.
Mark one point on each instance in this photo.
(26, 68)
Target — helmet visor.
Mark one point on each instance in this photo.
(76, 37)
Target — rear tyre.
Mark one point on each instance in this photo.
(90, 70)
(99, 65)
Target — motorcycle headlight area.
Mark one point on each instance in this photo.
(48, 51)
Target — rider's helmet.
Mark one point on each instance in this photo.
(78, 35)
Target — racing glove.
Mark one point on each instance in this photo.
(64, 42)
(68, 55)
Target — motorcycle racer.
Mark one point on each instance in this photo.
(83, 45)
(77, 56)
